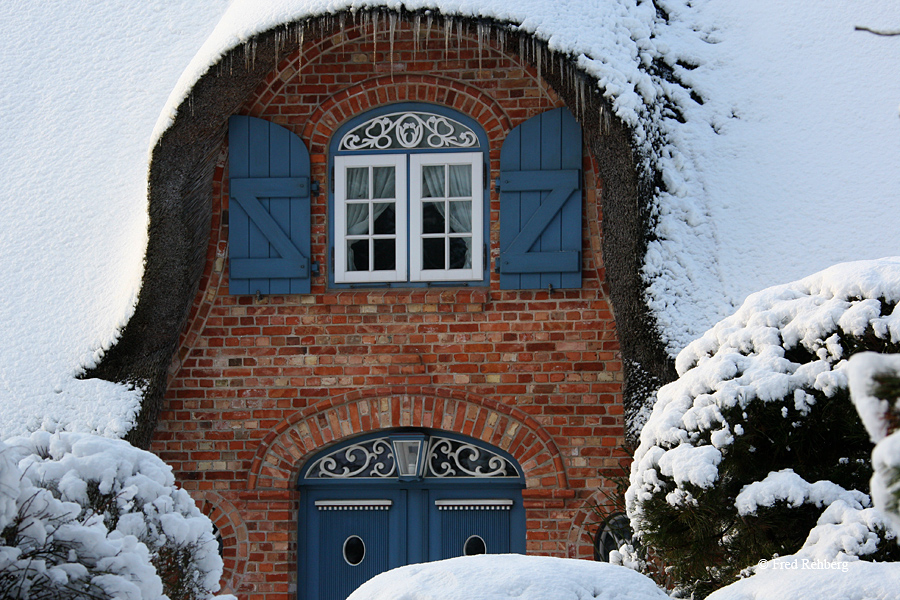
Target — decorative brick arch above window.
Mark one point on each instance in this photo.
(282, 452)
(380, 91)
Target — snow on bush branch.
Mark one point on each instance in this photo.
(89, 517)
(758, 434)
(875, 389)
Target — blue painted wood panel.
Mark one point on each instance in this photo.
(502, 529)
(540, 203)
(324, 572)
(269, 210)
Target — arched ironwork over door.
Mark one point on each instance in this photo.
(394, 498)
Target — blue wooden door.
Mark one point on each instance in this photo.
(351, 539)
(359, 518)
(469, 522)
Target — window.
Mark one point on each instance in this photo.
(409, 200)
(445, 217)
(370, 218)
(444, 224)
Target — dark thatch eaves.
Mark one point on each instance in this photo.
(180, 199)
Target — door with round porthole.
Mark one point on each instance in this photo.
(391, 498)
(350, 540)
(463, 525)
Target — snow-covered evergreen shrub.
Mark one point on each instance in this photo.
(92, 517)
(758, 435)
(875, 388)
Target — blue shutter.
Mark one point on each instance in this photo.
(269, 209)
(540, 203)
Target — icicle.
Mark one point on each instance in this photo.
(392, 27)
(578, 98)
(300, 49)
(277, 45)
(539, 53)
(479, 32)
(375, 35)
(428, 23)
(447, 25)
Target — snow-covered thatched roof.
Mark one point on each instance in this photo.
(767, 134)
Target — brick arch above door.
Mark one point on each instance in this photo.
(289, 443)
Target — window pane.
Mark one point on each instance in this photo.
(433, 181)
(433, 253)
(460, 181)
(385, 218)
(385, 255)
(358, 183)
(433, 217)
(355, 550)
(474, 545)
(357, 255)
(384, 182)
(357, 218)
(461, 217)
(460, 253)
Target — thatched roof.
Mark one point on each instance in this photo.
(180, 198)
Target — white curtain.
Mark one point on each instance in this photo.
(358, 212)
(460, 211)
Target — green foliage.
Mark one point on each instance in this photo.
(697, 531)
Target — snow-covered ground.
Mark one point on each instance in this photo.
(789, 165)
(505, 576)
(798, 578)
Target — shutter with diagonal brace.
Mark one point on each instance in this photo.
(540, 203)
(269, 209)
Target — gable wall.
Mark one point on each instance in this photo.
(260, 384)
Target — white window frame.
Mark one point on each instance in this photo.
(416, 163)
(341, 164)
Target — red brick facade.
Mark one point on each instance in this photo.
(261, 384)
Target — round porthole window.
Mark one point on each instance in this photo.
(474, 545)
(354, 550)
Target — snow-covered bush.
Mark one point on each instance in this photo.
(758, 435)
(88, 517)
(875, 388)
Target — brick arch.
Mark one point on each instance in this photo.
(235, 538)
(579, 541)
(288, 444)
(379, 91)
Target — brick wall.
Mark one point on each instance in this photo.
(259, 384)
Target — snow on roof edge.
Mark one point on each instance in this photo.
(617, 44)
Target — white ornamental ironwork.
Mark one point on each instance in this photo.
(373, 458)
(445, 458)
(409, 130)
(452, 458)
